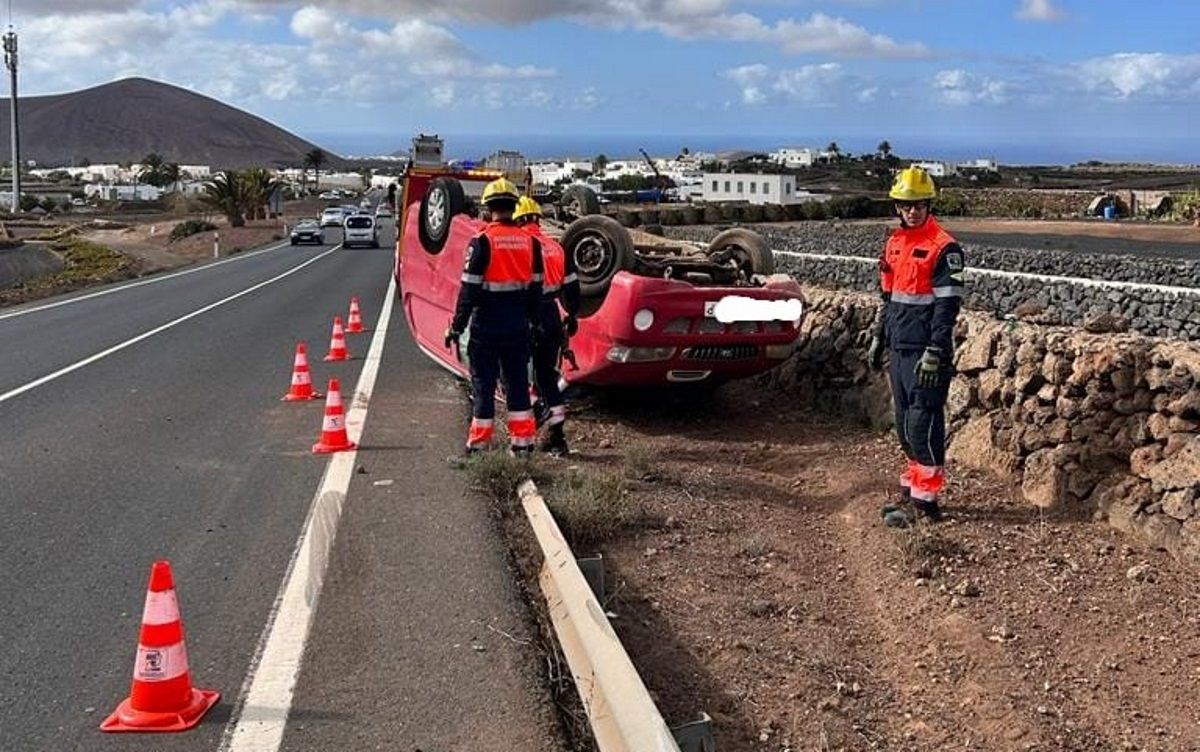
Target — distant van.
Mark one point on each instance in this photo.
(361, 230)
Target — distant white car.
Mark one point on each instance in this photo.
(329, 196)
(360, 229)
(383, 211)
(334, 216)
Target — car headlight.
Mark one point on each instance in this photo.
(623, 354)
(643, 319)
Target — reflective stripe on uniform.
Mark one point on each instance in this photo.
(911, 298)
(952, 291)
(550, 289)
(505, 286)
(570, 278)
(472, 279)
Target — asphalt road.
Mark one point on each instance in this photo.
(175, 447)
(144, 422)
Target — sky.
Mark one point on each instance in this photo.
(1051, 81)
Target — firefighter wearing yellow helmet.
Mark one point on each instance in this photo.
(560, 285)
(499, 299)
(921, 279)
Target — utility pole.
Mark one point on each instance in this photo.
(10, 61)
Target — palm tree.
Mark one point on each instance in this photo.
(884, 149)
(226, 193)
(171, 175)
(834, 150)
(258, 184)
(315, 159)
(152, 170)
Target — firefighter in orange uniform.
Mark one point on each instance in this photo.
(558, 284)
(921, 277)
(500, 298)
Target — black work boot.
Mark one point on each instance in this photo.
(929, 510)
(902, 504)
(555, 441)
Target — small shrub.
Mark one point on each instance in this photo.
(950, 204)
(757, 547)
(590, 508)
(637, 463)
(499, 474)
(190, 227)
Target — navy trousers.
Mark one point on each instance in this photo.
(920, 412)
(547, 351)
(489, 362)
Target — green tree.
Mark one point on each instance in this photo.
(884, 149)
(314, 160)
(171, 175)
(152, 169)
(835, 152)
(226, 193)
(600, 162)
(257, 187)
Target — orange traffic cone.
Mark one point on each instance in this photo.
(337, 343)
(301, 379)
(162, 697)
(355, 324)
(333, 430)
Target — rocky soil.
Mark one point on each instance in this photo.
(766, 592)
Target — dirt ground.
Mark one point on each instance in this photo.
(149, 241)
(766, 592)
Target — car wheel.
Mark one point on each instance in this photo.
(746, 247)
(444, 199)
(293, 242)
(579, 201)
(601, 247)
(374, 243)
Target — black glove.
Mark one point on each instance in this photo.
(451, 336)
(929, 368)
(875, 353)
(570, 326)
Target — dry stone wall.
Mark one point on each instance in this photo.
(1031, 296)
(1106, 424)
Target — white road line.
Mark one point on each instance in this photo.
(986, 272)
(260, 715)
(148, 281)
(156, 330)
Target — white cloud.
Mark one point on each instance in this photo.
(958, 87)
(825, 84)
(713, 20)
(442, 95)
(1134, 75)
(1039, 10)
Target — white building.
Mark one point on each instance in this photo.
(108, 192)
(794, 158)
(752, 188)
(986, 165)
(937, 169)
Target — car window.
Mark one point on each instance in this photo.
(359, 223)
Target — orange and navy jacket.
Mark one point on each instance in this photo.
(921, 274)
(501, 285)
(560, 283)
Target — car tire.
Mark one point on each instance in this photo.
(374, 243)
(600, 247)
(579, 201)
(444, 199)
(749, 249)
(293, 242)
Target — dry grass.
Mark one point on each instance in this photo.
(590, 507)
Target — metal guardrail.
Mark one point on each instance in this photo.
(619, 707)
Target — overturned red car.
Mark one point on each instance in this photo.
(650, 311)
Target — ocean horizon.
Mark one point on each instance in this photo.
(1060, 151)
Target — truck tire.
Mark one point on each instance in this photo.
(601, 247)
(579, 201)
(748, 248)
(444, 199)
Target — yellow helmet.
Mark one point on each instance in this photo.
(527, 208)
(913, 184)
(500, 189)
